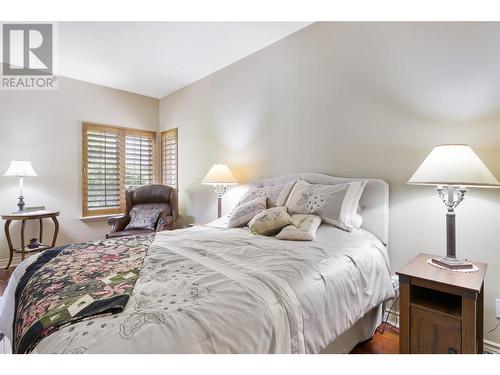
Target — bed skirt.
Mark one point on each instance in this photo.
(361, 331)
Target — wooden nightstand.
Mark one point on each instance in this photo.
(23, 216)
(440, 311)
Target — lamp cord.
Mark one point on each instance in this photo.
(491, 330)
(386, 320)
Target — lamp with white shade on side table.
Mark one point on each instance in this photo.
(219, 176)
(453, 168)
(21, 169)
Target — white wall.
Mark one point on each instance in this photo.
(357, 100)
(45, 127)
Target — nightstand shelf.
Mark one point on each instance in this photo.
(27, 250)
(442, 303)
(440, 311)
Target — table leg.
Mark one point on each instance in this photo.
(9, 242)
(404, 315)
(56, 230)
(22, 239)
(41, 230)
(480, 321)
(469, 323)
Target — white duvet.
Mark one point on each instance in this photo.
(211, 289)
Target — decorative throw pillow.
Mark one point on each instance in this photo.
(276, 195)
(270, 221)
(143, 218)
(336, 204)
(242, 214)
(303, 228)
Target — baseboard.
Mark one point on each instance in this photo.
(489, 347)
(15, 261)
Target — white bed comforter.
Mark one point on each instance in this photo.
(215, 290)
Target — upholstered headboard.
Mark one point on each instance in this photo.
(374, 201)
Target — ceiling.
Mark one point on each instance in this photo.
(158, 58)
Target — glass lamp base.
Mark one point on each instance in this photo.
(452, 263)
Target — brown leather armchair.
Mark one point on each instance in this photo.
(148, 196)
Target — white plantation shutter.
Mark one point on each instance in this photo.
(103, 172)
(138, 161)
(169, 157)
(114, 159)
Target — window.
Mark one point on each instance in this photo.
(138, 160)
(169, 157)
(114, 159)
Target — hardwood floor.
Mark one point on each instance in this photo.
(381, 343)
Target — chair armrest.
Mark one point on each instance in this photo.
(165, 223)
(118, 223)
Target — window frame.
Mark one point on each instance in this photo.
(122, 132)
(163, 134)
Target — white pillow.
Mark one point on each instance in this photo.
(303, 228)
(336, 204)
(276, 195)
(270, 221)
(241, 215)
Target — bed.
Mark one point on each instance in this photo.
(211, 289)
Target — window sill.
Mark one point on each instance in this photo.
(90, 219)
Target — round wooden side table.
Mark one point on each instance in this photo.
(24, 216)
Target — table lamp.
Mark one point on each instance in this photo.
(20, 169)
(219, 176)
(453, 168)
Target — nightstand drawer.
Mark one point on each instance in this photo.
(434, 333)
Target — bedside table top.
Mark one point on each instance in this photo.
(29, 215)
(419, 268)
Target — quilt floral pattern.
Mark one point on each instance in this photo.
(82, 281)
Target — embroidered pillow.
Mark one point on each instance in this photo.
(276, 195)
(303, 228)
(336, 204)
(143, 218)
(270, 221)
(242, 214)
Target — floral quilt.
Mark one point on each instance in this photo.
(77, 282)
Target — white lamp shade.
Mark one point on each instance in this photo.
(219, 174)
(19, 168)
(453, 165)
